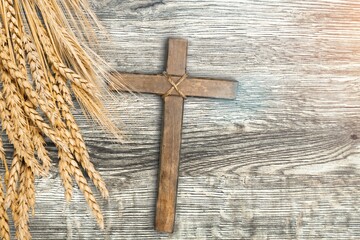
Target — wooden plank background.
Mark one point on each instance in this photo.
(280, 162)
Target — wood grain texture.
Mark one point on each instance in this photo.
(280, 162)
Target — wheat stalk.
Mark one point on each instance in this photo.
(39, 147)
(64, 90)
(41, 57)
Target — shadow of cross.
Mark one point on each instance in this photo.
(174, 86)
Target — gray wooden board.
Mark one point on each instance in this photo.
(280, 162)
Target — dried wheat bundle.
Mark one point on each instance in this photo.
(45, 57)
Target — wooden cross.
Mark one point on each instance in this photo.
(174, 86)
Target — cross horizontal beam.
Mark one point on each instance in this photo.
(194, 87)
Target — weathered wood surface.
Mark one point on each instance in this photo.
(280, 162)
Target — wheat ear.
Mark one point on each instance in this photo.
(4, 219)
(22, 143)
(48, 108)
(85, 189)
(74, 170)
(22, 207)
(41, 82)
(11, 190)
(44, 127)
(48, 47)
(3, 159)
(30, 189)
(65, 174)
(86, 94)
(16, 34)
(76, 143)
(79, 147)
(61, 84)
(39, 145)
(59, 68)
(29, 106)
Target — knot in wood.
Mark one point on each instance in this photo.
(175, 86)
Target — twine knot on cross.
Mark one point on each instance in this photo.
(175, 86)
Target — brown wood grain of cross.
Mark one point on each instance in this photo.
(173, 92)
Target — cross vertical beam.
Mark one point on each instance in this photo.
(171, 141)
